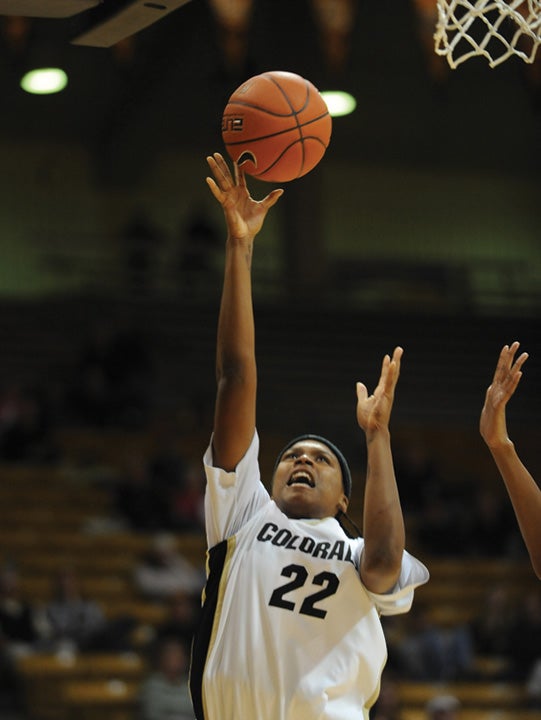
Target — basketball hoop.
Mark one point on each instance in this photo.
(493, 29)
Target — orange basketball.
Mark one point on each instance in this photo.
(276, 126)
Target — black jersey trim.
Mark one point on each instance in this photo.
(202, 641)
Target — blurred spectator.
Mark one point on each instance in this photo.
(438, 527)
(387, 706)
(533, 686)
(165, 691)
(88, 399)
(443, 707)
(181, 618)
(21, 630)
(141, 239)
(137, 499)
(173, 481)
(418, 474)
(21, 624)
(167, 465)
(489, 526)
(187, 500)
(428, 652)
(525, 638)
(25, 426)
(130, 374)
(199, 241)
(77, 623)
(113, 380)
(164, 571)
(492, 628)
(73, 620)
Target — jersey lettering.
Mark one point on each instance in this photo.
(327, 580)
(322, 550)
(282, 537)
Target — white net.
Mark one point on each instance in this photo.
(493, 29)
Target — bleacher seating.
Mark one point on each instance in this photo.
(458, 587)
(478, 714)
(44, 526)
(100, 700)
(46, 679)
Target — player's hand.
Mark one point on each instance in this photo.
(374, 411)
(507, 376)
(244, 215)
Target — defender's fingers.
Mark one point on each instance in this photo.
(519, 362)
(391, 371)
(503, 364)
(513, 382)
(384, 372)
(362, 392)
(397, 357)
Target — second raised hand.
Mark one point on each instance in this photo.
(374, 411)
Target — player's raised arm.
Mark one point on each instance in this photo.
(383, 523)
(234, 419)
(523, 491)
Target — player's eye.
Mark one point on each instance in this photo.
(290, 455)
(323, 458)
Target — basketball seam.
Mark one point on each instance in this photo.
(284, 93)
(306, 103)
(277, 159)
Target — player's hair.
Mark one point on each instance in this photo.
(342, 515)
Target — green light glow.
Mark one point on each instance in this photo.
(339, 102)
(44, 81)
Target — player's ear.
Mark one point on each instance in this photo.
(343, 503)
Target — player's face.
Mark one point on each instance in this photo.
(308, 482)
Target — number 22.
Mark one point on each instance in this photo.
(329, 582)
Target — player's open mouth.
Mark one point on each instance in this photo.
(301, 478)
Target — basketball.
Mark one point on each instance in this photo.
(276, 126)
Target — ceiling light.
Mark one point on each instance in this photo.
(44, 81)
(339, 102)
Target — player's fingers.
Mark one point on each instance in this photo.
(384, 375)
(508, 370)
(362, 392)
(272, 198)
(215, 190)
(519, 362)
(221, 170)
(240, 175)
(391, 365)
(503, 365)
(512, 384)
(395, 362)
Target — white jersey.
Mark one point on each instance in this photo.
(288, 631)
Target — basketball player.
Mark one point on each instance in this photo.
(523, 491)
(290, 626)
